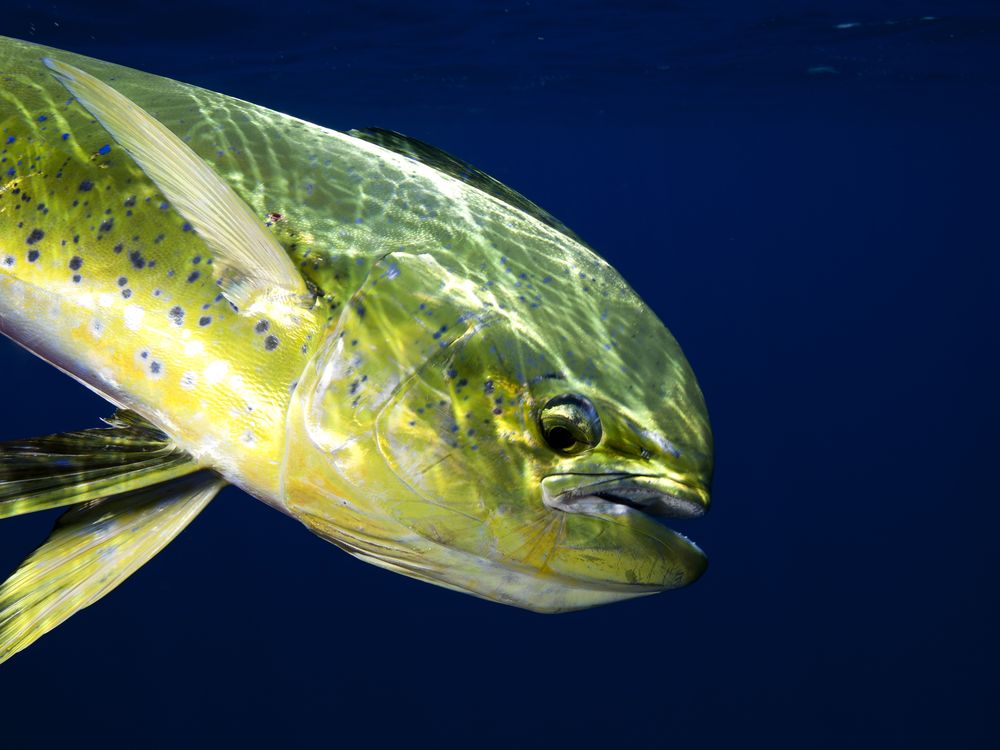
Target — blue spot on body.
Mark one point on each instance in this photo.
(65, 136)
(106, 148)
(42, 118)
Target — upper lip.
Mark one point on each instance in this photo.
(616, 493)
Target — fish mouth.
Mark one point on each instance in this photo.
(617, 494)
(644, 548)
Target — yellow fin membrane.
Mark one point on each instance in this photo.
(92, 549)
(250, 261)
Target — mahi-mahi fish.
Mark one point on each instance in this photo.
(357, 329)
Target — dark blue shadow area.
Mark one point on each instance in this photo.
(808, 199)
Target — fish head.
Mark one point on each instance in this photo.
(531, 453)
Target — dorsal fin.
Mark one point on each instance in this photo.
(460, 170)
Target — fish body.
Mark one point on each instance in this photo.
(357, 329)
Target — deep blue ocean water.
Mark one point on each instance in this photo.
(807, 194)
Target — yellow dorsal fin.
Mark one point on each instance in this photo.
(93, 548)
(251, 264)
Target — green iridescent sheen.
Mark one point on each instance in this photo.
(448, 311)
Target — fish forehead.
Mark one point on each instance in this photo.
(573, 324)
(576, 318)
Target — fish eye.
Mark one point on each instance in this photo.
(569, 424)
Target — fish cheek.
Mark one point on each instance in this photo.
(394, 333)
(458, 435)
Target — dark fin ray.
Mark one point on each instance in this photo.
(92, 549)
(74, 467)
(460, 170)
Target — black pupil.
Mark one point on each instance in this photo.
(560, 438)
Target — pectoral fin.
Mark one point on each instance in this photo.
(74, 467)
(92, 549)
(250, 261)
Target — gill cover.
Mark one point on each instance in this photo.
(413, 444)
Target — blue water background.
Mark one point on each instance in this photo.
(807, 194)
